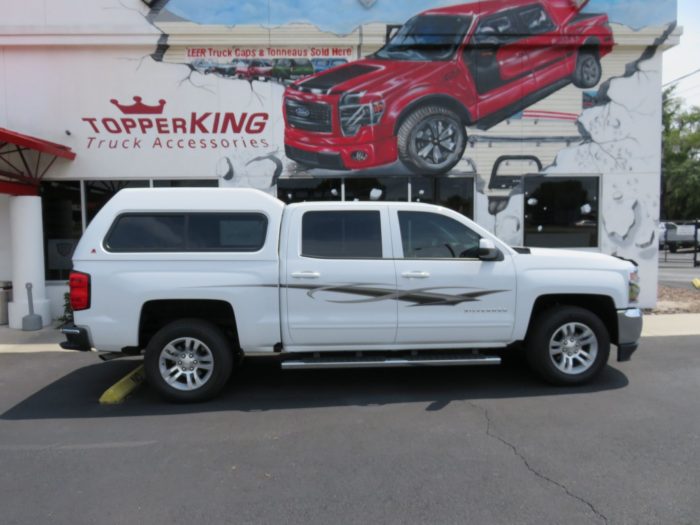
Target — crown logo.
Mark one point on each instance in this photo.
(139, 108)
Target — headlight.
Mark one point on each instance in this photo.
(634, 288)
(354, 114)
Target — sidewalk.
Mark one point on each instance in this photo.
(671, 325)
(47, 339)
(17, 341)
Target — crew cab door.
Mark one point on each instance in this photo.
(445, 293)
(494, 54)
(338, 277)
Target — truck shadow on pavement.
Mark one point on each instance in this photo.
(261, 386)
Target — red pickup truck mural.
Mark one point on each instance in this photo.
(473, 64)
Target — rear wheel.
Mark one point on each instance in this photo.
(588, 70)
(188, 360)
(568, 345)
(431, 140)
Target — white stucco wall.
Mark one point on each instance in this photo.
(5, 257)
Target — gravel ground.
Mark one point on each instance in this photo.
(677, 301)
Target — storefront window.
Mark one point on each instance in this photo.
(98, 192)
(456, 194)
(301, 190)
(423, 189)
(376, 189)
(561, 212)
(186, 183)
(62, 226)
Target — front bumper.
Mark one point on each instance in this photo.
(77, 338)
(629, 331)
(327, 151)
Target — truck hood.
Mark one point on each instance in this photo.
(376, 76)
(571, 259)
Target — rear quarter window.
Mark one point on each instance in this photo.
(187, 232)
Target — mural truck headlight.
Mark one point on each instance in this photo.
(354, 114)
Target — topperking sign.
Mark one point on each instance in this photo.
(144, 126)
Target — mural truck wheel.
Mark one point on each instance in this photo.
(588, 69)
(431, 140)
(567, 345)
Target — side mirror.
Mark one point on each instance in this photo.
(488, 250)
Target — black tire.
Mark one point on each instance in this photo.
(414, 139)
(588, 70)
(215, 344)
(549, 325)
(672, 247)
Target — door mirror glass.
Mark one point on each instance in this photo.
(488, 250)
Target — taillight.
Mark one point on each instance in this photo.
(79, 291)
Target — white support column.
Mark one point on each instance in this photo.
(27, 235)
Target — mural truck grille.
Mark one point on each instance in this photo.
(310, 116)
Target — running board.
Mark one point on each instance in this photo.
(388, 362)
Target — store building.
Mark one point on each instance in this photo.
(540, 119)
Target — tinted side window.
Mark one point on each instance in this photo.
(427, 235)
(495, 30)
(188, 232)
(152, 233)
(341, 234)
(234, 232)
(535, 21)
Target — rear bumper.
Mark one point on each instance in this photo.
(629, 331)
(77, 338)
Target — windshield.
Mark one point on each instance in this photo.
(427, 37)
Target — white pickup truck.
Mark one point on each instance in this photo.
(195, 279)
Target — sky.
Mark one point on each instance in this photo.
(342, 16)
(685, 58)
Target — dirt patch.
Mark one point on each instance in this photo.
(677, 301)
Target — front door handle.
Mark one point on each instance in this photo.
(415, 275)
(306, 275)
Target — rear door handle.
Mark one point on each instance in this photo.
(415, 275)
(306, 275)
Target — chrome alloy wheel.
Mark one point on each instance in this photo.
(435, 141)
(573, 348)
(186, 363)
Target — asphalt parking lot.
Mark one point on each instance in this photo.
(459, 445)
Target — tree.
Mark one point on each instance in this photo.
(681, 159)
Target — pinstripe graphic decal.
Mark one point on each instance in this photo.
(419, 296)
(371, 292)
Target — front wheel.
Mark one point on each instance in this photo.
(188, 360)
(431, 140)
(568, 345)
(588, 70)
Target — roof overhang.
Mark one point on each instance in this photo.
(24, 160)
(16, 189)
(44, 146)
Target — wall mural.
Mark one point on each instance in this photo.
(508, 92)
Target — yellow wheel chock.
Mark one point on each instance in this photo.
(116, 393)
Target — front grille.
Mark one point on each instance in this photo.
(309, 116)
